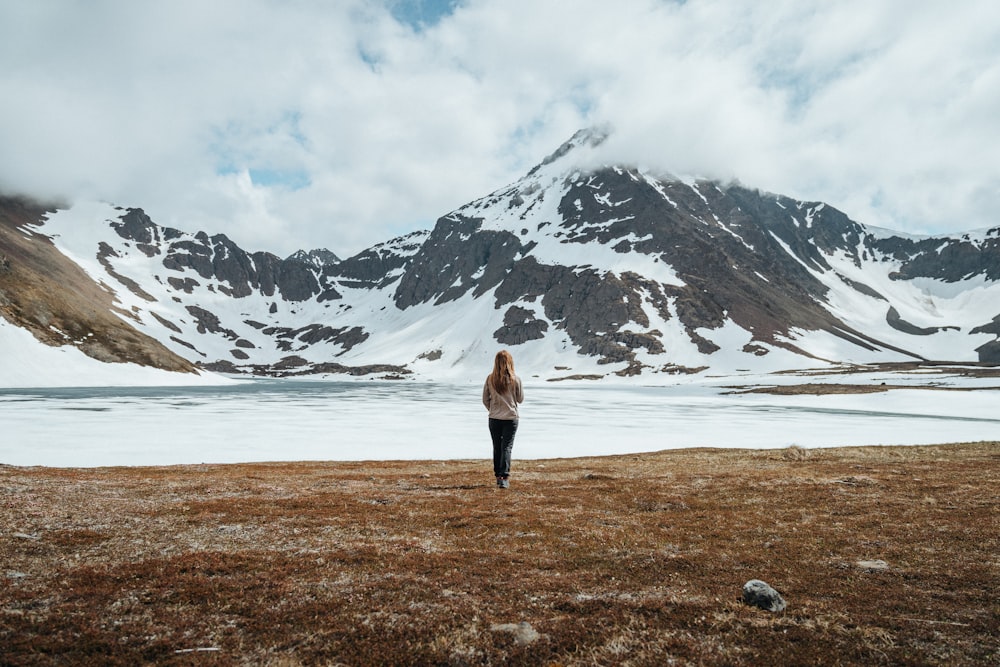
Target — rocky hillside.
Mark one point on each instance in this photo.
(43, 291)
(581, 269)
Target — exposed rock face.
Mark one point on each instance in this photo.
(136, 225)
(989, 353)
(457, 257)
(591, 308)
(898, 323)
(317, 258)
(208, 322)
(288, 339)
(520, 326)
(296, 281)
(218, 258)
(948, 259)
(376, 267)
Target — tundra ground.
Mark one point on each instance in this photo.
(884, 555)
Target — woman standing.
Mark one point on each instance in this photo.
(501, 394)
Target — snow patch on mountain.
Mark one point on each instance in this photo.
(29, 363)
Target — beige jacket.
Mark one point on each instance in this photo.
(503, 406)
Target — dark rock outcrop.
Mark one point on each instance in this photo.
(218, 258)
(898, 323)
(947, 259)
(378, 266)
(318, 258)
(457, 258)
(519, 326)
(757, 593)
(989, 353)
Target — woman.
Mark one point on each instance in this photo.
(501, 394)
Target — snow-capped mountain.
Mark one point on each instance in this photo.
(580, 269)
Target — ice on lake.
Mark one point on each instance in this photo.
(282, 420)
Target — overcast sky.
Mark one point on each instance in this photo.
(289, 124)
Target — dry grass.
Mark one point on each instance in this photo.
(631, 560)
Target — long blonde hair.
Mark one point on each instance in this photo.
(502, 377)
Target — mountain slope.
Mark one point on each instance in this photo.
(636, 268)
(45, 293)
(582, 269)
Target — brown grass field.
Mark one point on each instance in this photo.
(886, 556)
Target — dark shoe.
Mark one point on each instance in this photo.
(500, 482)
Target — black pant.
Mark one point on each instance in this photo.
(502, 432)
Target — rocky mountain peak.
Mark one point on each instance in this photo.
(318, 258)
(590, 137)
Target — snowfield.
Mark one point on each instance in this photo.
(269, 420)
(29, 363)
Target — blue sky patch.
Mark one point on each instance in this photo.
(289, 179)
(421, 14)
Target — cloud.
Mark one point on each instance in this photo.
(307, 123)
(882, 109)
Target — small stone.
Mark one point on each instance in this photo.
(757, 593)
(873, 565)
(523, 632)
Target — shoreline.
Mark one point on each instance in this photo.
(790, 450)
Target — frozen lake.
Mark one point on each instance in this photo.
(272, 420)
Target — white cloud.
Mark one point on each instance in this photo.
(305, 124)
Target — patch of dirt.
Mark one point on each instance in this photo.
(820, 389)
(885, 556)
(816, 389)
(964, 369)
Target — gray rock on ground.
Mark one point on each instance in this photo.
(757, 593)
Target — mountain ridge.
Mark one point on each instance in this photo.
(609, 271)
